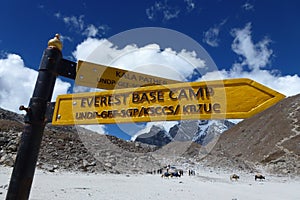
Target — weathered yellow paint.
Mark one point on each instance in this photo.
(105, 77)
(224, 99)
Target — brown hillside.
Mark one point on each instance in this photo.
(71, 148)
(271, 138)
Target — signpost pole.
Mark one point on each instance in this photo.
(35, 121)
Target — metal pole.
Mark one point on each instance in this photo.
(24, 167)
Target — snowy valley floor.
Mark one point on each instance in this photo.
(205, 185)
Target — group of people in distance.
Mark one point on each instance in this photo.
(174, 172)
(170, 171)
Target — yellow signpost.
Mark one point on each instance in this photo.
(105, 77)
(231, 99)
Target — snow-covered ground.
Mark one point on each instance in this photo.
(205, 185)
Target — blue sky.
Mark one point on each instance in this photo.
(258, 39)
(26, 27)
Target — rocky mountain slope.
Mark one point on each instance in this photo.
(70, 148)
(270, 139)
(198, 131)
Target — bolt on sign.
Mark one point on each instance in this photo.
(233, 99)
(105, 77)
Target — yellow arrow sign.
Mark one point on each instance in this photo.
(233, 99)
(105, 77)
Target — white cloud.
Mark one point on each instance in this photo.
(61, 87)
(77, 24)
(190, 5)
(151, 60)
(84, 49)
(170, 14)
(65, 38)
(167, 10)
(248, 6)
(254, 57)
(17, 83)
(153, 10)
(57, 15)
(91, 31)
(162, 11)
(73, 21)
(211, 36)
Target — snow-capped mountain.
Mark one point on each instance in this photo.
(199, 131)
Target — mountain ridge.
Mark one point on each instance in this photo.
(270, 139)
(199, 131)
(268, 142)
